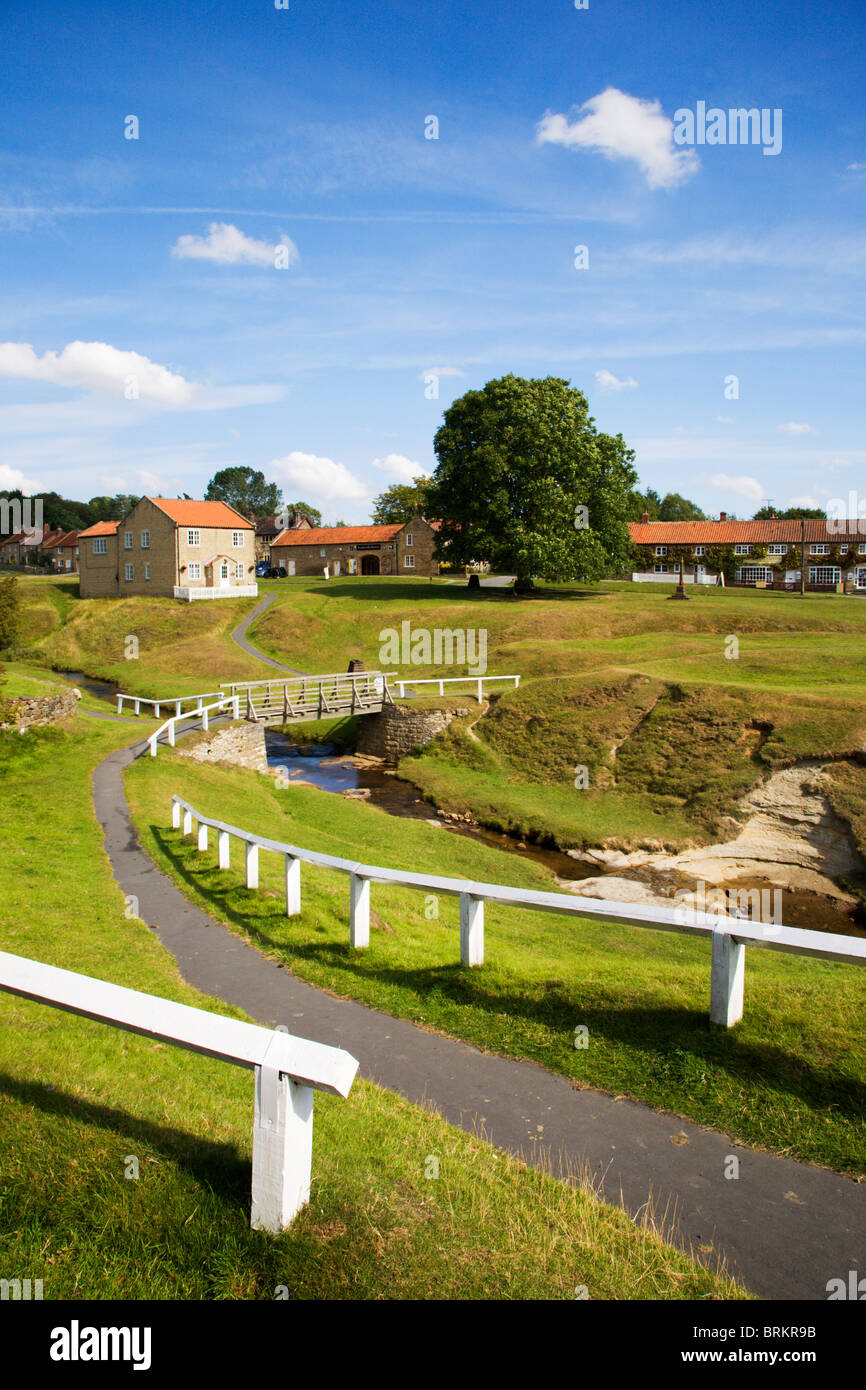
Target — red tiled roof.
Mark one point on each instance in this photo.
(63, 538)
(334, 535)
(10, 540)
(185, 512)
(101, 528)
(740, 532)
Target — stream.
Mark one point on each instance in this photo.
(321, 765)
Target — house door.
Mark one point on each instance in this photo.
(369, 564)
(291, 567)
(224, 574)
(336, 569)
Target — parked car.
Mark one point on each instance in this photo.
(262, 569)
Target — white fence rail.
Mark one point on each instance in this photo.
(178, 701)
(169, 728)
(729, 936)
(477, 681)
(287, 1070)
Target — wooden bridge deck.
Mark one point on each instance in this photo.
(305, 698)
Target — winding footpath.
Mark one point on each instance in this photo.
(785, 1228)
(239, 635)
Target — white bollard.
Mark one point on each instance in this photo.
(252, 863)
(282, 1150)
(202, 835)
(727, 978)
(471, 929)
(187, 822)
(223, 849)
(359, 911)
(293, 886)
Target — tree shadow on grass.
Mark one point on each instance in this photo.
(678, 1044)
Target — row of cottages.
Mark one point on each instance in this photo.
(269, 527)
(765, 554)
(56, 550)
(395, 550)
(172, 548)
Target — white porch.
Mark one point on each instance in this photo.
(221, 591)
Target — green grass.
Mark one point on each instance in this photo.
(78, 1100)
(789, 1077)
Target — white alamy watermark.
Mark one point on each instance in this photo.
(20, 1289)
(758, 904)
(845, 518)
(439, 646)
(17, 514)
(737, 126)
(77, 1343)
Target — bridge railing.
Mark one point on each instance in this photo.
(477, 681)
(169, 728)
(728, 936)
(178, 701)
(288, 1070)
(328, 693)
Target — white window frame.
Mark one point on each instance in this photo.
(128, 573)
(409, 540)
(147, 572)
(239, 570)
(777, 548)
(833, 571)
(193, 537)
(819, 548)
(861, 548)
(195, 569)
(409, 562)
(700, 550)
(754, 574)
(661, 550)
(100, 545)
(860, 577)
(145, 540)
(742, 549)
(323, 553)
(237, 539)
(661, 569)
(127, 540)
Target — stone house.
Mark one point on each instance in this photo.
(61, 553)
(170, 547)
(764, 554)
(405, 550)
(269, 527)
(28, 547)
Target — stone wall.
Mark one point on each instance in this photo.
(399, 729)
(242, 744)
(32, 710)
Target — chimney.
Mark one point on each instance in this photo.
(723, 516)
(644, 519)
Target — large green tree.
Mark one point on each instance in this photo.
(790, 514)
(525, 480)
(401, 502)
(246, 490)
(302, 509)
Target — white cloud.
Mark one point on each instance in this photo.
(12, 479)
(400, 467)
(725, 419)
(608, 382)
(744, 487)
(804, 502)
(620, 126)
(440, 371)
(318, 479)
(225, 244)
(857, 168)
(793, 428)
(97, 367)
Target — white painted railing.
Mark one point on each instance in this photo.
(169, 728)
(477, 681)
(729, 935)
(138, 700)
(287, 1070)
(299, 697)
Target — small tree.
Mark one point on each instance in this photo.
(400, 503)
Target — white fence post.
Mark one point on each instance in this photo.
(471, 929)
(293, 886)
(251, 857)
(175, 814)
(204, 720)
(177, 709)
(136, 706)
(120, 704)
(727, 979)
(155, 710)
(187, 822)
(480, 693)
(202, 835)
(282, 1150)
(359, 911)
(171, 733)
(223, 849)
(236, 707)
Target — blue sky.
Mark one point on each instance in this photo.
(148, 338)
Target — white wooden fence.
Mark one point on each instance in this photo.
(729, 935)
(169, 728)
(477, 681)
(287, 1070)
(138, 700)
